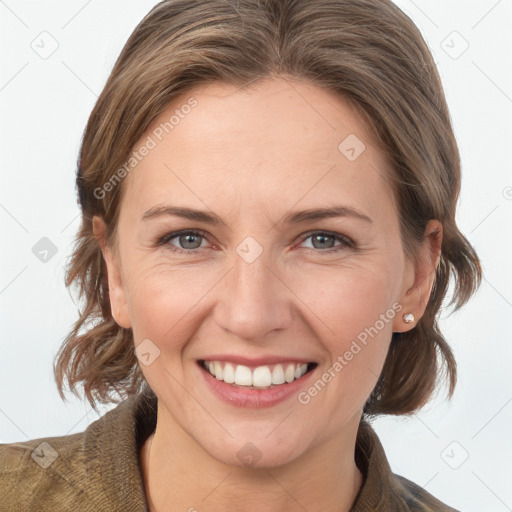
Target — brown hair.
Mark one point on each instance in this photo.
(367, 51)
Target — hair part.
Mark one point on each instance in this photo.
(366, 51)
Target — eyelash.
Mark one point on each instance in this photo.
(165, 240)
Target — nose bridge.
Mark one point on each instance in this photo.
(254, 301)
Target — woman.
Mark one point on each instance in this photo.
(268, 194)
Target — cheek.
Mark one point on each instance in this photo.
(163, 301)
(353, 314)
(349, 299)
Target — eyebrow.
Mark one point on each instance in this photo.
(291, 218)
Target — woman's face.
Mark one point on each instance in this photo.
(260, 283)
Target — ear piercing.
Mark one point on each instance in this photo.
(408, 318)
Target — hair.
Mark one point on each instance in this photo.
(366, 51)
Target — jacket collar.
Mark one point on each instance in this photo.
(115, 440)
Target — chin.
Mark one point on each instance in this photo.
(256, 452)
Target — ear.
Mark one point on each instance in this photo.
(116, 290)
(419, 277)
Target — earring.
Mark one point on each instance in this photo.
(408, 318)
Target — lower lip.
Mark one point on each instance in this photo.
(254, 398)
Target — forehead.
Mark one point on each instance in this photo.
(275, 142)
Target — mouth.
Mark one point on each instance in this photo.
(257, 377)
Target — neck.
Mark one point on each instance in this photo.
(180, 475)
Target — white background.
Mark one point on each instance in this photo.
(44, 106)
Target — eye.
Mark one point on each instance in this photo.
(189, 240)
(322, 241)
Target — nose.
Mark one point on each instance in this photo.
(253, 300)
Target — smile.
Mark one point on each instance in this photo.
(260, 377)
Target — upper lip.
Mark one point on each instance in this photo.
(256, 361)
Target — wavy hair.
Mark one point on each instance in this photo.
(366, 51)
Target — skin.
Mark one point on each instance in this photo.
(251, 155)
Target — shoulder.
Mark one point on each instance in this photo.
(98, 469)
(384, 490)
(51, 468)
(415, 498)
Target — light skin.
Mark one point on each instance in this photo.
(251, 156)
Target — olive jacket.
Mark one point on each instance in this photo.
(99, 469)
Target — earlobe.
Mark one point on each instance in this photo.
(116, 291)
(416, 297)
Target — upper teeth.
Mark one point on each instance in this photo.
(261, 376)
